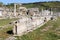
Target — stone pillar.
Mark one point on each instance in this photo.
(42, 12)
(14, 9)
(15, 28)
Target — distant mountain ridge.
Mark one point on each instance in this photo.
(40, 5)
(49, 4)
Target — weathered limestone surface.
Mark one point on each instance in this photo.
(26, 24)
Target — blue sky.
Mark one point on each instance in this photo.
(23, 1)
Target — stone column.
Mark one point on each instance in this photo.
(15, 28)
(14, 9)
(42, 12)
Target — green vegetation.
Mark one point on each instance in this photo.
(40, 5)
(1, 4)
(49, 31)
(44, 5)
(3, 31)
(5, 21)
(4, 34)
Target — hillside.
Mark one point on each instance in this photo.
(40, 5)
(44, 5)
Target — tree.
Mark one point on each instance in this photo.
(1, 4)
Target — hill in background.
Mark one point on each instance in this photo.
(51, 4)
(40, 5)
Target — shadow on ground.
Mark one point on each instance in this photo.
(10, 32)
